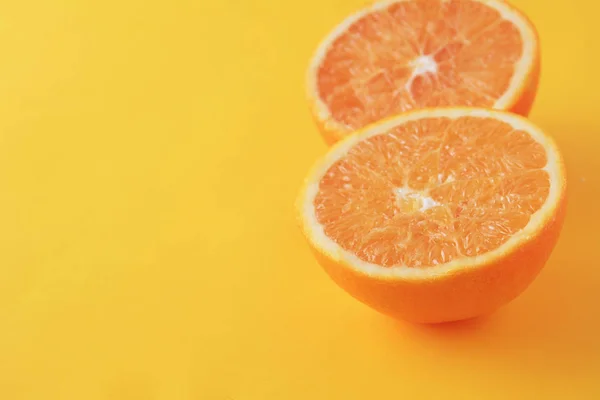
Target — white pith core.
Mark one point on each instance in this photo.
(424, 64)
(422, 201)
(420, 65)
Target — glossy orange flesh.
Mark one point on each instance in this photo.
(433, 190)
(415, 54)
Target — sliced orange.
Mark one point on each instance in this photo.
(436, 214)
(400, 55)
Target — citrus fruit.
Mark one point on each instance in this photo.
(399, 55)
(436, 215)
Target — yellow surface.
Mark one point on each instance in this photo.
(150, 153)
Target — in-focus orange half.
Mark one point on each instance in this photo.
(436, 214)
(400, 55)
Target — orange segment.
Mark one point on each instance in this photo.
(433, 197)
(400, 55)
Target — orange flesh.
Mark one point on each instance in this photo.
(419, 53)
(433, 190)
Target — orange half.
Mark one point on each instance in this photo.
(436, 214)
(399, 55)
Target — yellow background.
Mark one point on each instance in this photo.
(150, 153)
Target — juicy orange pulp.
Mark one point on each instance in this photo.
(406, 54)
(433, 190)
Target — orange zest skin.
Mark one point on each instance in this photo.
(491, 286)
(443, 87)
(465, 287)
